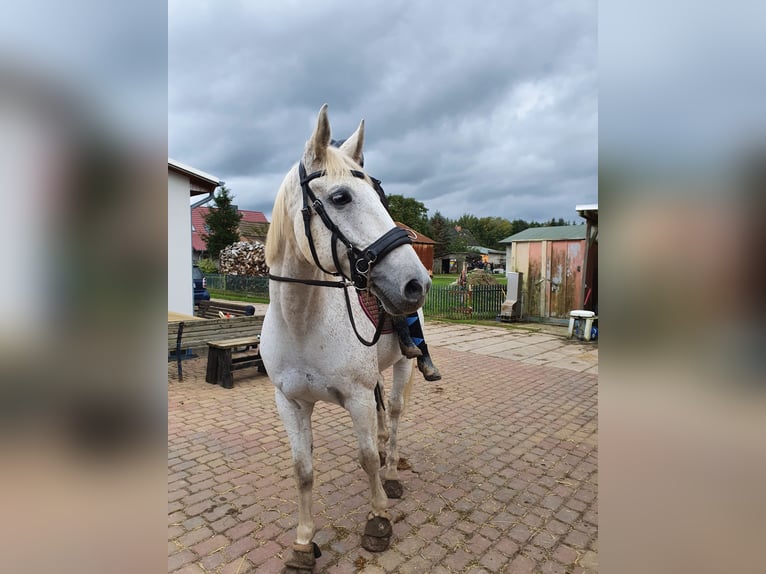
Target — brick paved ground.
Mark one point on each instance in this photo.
(503, 477)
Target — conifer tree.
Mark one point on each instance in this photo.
(440, 234)
(221, 224)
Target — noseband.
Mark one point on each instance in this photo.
(361, 260)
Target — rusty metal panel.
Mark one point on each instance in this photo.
(565, 277)
(425, 254)
(534, 275)
(575, 267)
(557, 284)
(552, 276)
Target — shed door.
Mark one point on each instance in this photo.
(566, 259)
(533, 278)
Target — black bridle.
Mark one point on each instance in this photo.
(361, 261)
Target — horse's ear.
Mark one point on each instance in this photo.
(320, 139)
(354, 144)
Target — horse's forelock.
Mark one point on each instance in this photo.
(336, 165)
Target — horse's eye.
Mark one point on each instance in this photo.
(341, 197)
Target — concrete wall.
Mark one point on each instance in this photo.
(180, 286)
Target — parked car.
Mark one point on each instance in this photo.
(200, 285)
(498, 271)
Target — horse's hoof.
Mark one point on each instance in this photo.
(301, 562)
(377, 534)
(393, 488)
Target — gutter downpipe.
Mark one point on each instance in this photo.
(210, 195)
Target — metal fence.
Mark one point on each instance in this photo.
(242, 284)
(449, 302)
(453, 302)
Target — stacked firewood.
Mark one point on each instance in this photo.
(243, 258)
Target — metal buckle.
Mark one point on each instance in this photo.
(364, 271)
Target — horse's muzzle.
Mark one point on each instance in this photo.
(415, 291)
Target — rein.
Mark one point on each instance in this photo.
(361, 260)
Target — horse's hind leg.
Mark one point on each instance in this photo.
(403, 373)
(377, 532)
(296, 416)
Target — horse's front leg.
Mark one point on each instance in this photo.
(380, 405)
(296, 416)
(377, 531)
(403, 373)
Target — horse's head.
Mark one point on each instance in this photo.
(329, 211)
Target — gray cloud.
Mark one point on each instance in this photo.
(489, 109)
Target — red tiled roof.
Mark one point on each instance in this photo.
(198, 224)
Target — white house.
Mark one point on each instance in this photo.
(184, 182)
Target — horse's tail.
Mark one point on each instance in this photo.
(408, 388)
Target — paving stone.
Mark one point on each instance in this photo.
(577, 539)
(176, 561)
(565, 554)
(503, 471)
(522, 565)
(195, 536)
(589, 561)
(190, 569)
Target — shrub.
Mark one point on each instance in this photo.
(207, 266)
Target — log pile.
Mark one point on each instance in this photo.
(244, 258)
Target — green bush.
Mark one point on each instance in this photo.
(207, 266)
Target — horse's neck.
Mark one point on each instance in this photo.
(303, 310)
(301, 306)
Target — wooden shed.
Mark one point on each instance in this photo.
(424, 247)
(552, 260)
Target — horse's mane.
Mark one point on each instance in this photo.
(336, 165)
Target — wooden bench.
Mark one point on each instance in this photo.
(185, 336)
(222, 362)
(211, 309)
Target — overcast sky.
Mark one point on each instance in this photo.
(489, 108)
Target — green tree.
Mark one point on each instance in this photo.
(469, 222)
(221, 224)
(460, 241)
(409, 211)
(491, 230)
(517, 226)
(440, 233)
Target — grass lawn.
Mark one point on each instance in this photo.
(232, 296)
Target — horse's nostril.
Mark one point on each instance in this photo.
(413, 290)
